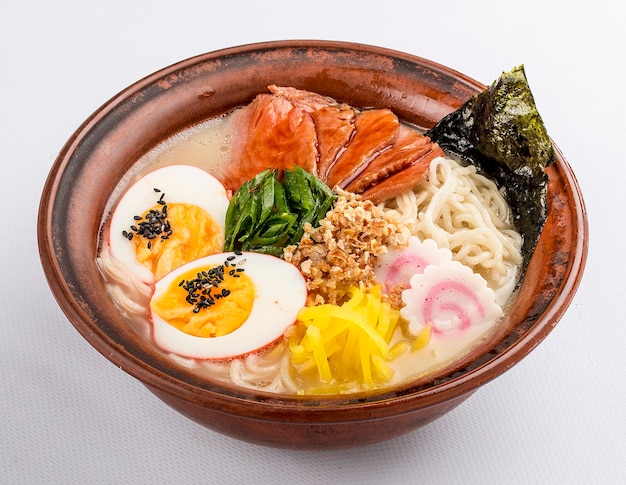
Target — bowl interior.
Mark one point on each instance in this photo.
(105, 147)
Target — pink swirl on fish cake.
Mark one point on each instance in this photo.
(450, 298)
(396, 268)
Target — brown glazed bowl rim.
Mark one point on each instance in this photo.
(72, 277)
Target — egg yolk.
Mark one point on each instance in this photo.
(186, 232)
(207, 302)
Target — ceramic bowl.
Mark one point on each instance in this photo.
(421, 92)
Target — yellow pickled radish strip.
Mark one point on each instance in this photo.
(374, 304)
(351, 304)
(349, 355)
(333, 328)
(381, 367)
(398, 349)
(366, 368)
(394, 318)
(314, 338)
(333, 347)
(422, 339)
(355, 299)
(298, 354)
(384, 321)
(347, 344)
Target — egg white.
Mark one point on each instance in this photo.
(280, 293)
(180, 184)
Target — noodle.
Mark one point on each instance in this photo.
(131, 296)
(464, 212)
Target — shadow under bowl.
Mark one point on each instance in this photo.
(419, 91)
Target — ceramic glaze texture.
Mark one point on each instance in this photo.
(420, 92)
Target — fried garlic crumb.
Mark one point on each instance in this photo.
(344, 249)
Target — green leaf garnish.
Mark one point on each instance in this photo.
(266, 215)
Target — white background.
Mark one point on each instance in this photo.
(67, 415)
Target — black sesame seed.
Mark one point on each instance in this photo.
(199, 289)
(154, 223)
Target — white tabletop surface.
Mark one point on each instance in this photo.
(67, 415)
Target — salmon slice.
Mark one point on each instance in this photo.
(408, 147)
(402, 180)
(374, 131)
(306, 100)
(334, 122)
(335, 127)
(273, 132)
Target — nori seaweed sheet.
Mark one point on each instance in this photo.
(501, 132)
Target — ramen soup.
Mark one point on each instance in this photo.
(302, 246)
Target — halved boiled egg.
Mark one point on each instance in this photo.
(226, 305)
(169, 217)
